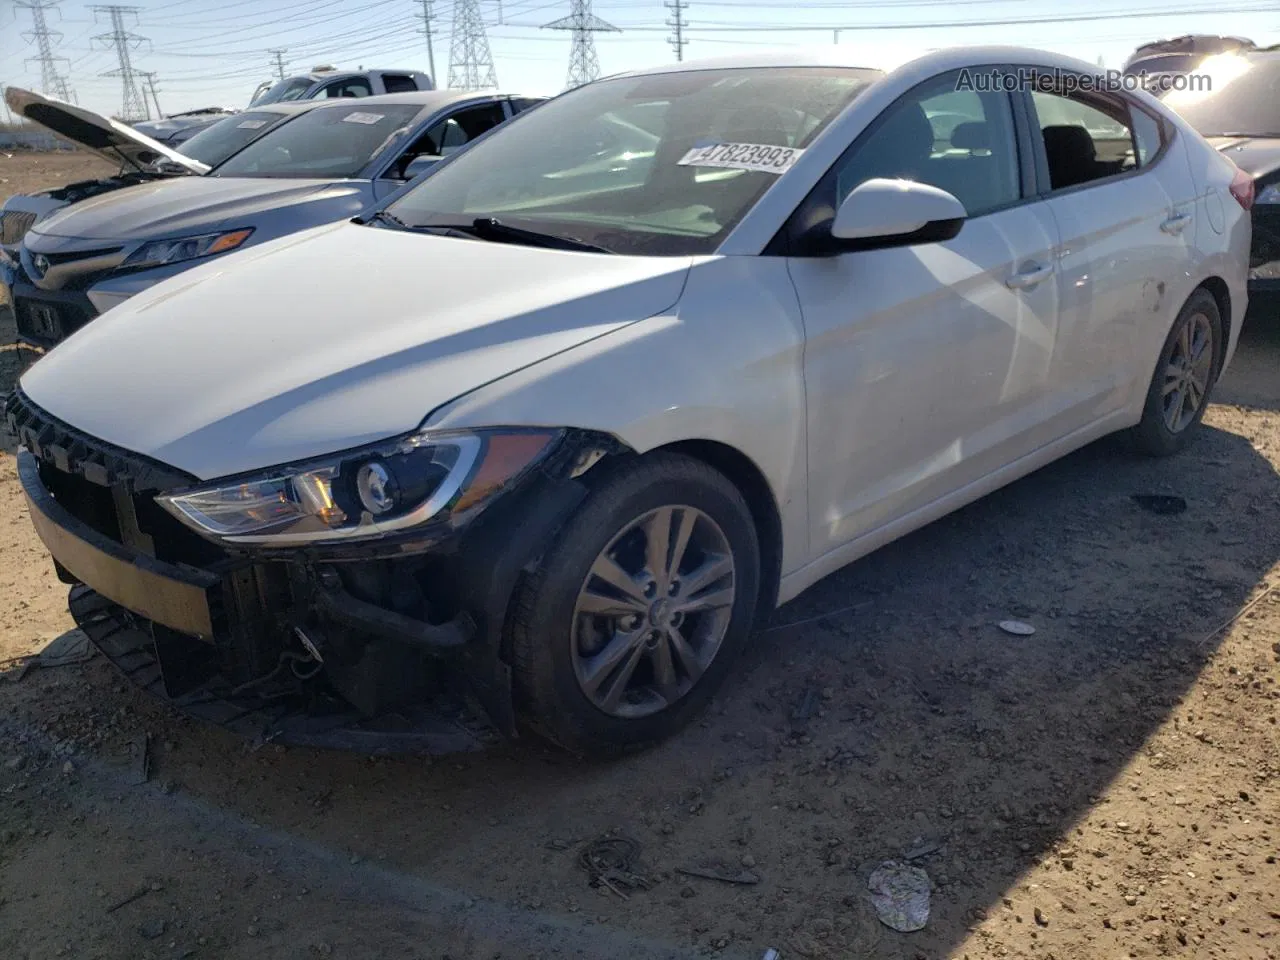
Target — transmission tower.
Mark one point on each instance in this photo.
(277, 60)
(470, 62)
(134, 107)
(150, 77)
(677, 23)
(427, 18)
(51, 80)
(584, 65)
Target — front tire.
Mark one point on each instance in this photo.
(1183, 378)
(636, 613)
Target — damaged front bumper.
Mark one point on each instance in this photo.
(379, 655)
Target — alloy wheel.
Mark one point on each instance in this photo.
(653, 612)
(1187, 374)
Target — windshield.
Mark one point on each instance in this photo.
(283, 91)
(331, 142)
(1243, 97)
(656, 165)
(216, 142)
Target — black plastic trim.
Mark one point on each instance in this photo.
(72, 451)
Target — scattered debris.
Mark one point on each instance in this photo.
(140, 758)
(923, 849)
(1017, 628)
(1268, 590)
(853, 608)
(722, 873)
(1160, 504)
(608, 861)
(804, 710)
(70, 648)
(136, 895)
(558, 844)
(900, 895)
(153, 929)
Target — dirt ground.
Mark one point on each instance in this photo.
(1104, 788)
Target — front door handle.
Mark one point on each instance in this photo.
(1029, 276)
(1176, 224)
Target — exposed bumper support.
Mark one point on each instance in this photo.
(177, 597)
(435, 728)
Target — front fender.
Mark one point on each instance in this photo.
(724, 364)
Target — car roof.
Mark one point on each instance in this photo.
(334, 74)
(288, 106)
(860, 56)
(420, 98)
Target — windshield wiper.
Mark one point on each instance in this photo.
(383, 216)
(1244, 135)
(491, 228)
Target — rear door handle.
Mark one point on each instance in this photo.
(1029, 276)
(1176, 224)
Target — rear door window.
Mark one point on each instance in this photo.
(351, 87)
(1084, 139)
(398, 83)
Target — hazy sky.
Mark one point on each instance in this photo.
(214, 52)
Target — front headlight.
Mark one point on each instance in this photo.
(363, 494)
(186, 248)
(1268, 194)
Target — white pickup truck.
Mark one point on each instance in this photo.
(325, 81)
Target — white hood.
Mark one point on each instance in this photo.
(330, 339)
(108, 138)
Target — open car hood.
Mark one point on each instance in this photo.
(108, 138)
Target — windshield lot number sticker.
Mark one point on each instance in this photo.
(762, 157)
(250, 124)
(362, 118)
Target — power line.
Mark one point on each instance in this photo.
(134, 107)
(584, 65)
(277, 56)
(470, 60)
(51, 79)
(677, 24)
(427, 17)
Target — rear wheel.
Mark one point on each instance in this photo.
(1184, 376)
(633, 619)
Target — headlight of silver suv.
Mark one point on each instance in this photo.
(362, 494)
(160, 252)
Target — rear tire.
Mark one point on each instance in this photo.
(612, 653)
(1183, 379)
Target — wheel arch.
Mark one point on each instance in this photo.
(1221, 293)
(743, 473)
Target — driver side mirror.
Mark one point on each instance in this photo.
(883, 212)
(420, 165)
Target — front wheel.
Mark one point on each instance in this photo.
(1184, 375)
(637, 611)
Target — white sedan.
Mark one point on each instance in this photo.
(560, 421)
